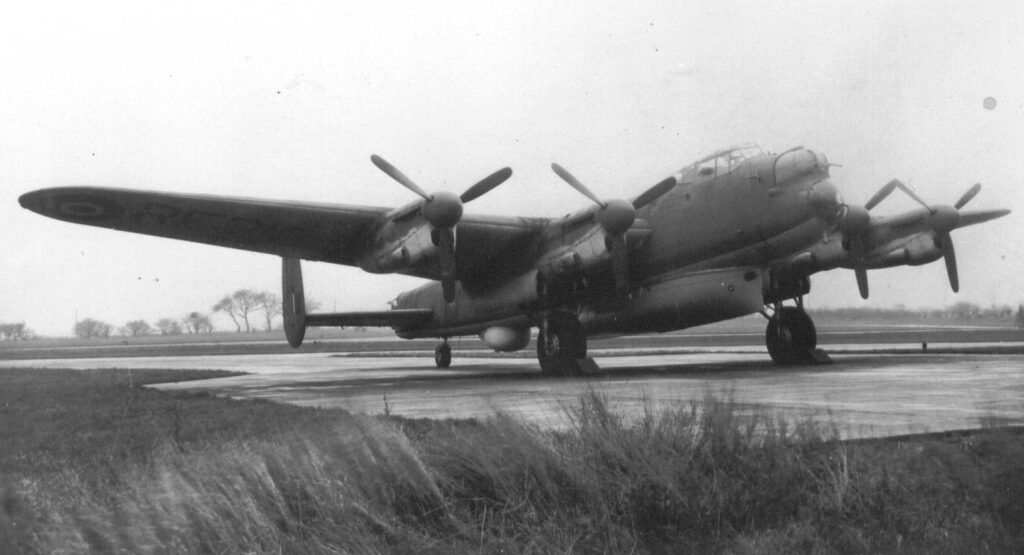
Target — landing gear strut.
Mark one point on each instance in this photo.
(443, 354)
(791, 337)
(561, 345)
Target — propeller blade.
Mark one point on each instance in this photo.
(885, 191)
(910, 193)
(949, 255)
(857, 249)
(967, 196)
(862, 282)
(485, 185)
(575, 184)
(620, 264)
(398, 176)
(446, 260)
(654, 193)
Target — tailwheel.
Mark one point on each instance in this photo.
(791, 337)
(561, 345)
(443, 355)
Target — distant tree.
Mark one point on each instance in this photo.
(89, 328)
(965, 311)
(15, 332)
(197, 322)
(168, 326)
(136, 328)
(1020, 316)
(999, 312)
(271, 306)
(239, 305)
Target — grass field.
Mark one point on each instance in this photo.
(90, 461)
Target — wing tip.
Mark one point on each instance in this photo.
(36, 201)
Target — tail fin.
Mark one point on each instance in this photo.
(293, 304)
(293, 301)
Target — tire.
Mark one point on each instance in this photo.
(791, 337)
(443, 355)
(562, 346)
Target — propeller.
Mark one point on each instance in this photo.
(616, 216)
(855, 223)
(943, 220)
(443, 210)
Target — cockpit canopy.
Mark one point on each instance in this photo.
(720, 163)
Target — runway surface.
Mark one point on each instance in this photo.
(863, 394)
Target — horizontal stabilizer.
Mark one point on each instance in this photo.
(383, 318)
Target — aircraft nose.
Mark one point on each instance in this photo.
(825, 199)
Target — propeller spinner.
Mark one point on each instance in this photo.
(616, 216)
(443, 210)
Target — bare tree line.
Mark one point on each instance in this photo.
(242, 307)
(15, 332)
(242, 304)
(958, 312)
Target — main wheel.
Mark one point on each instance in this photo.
(791, 337)
(561, 345)
(443, 355)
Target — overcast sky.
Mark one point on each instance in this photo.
(288, 100)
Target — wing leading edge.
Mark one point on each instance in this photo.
(321, 232)
(332, 233)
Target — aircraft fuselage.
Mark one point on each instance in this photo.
(700, 254)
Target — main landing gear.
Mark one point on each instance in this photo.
(791, 337)
(562, 346)
(443, 354)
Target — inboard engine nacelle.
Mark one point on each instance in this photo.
(401, 253)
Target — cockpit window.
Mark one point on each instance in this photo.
(720, 163)
(706, 167)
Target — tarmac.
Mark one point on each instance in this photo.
(862, 394)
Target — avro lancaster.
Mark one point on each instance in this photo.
(735, 233)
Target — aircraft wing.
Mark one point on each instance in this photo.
(322, 232)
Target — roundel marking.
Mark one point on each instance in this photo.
(86, 209)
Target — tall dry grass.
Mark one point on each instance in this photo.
(713, 476)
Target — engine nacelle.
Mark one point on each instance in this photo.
(505, 339)
(586, 252)
(397, 254)
(922, 250)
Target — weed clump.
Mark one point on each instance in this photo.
(693, 478)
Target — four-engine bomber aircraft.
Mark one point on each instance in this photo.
(735, 233)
